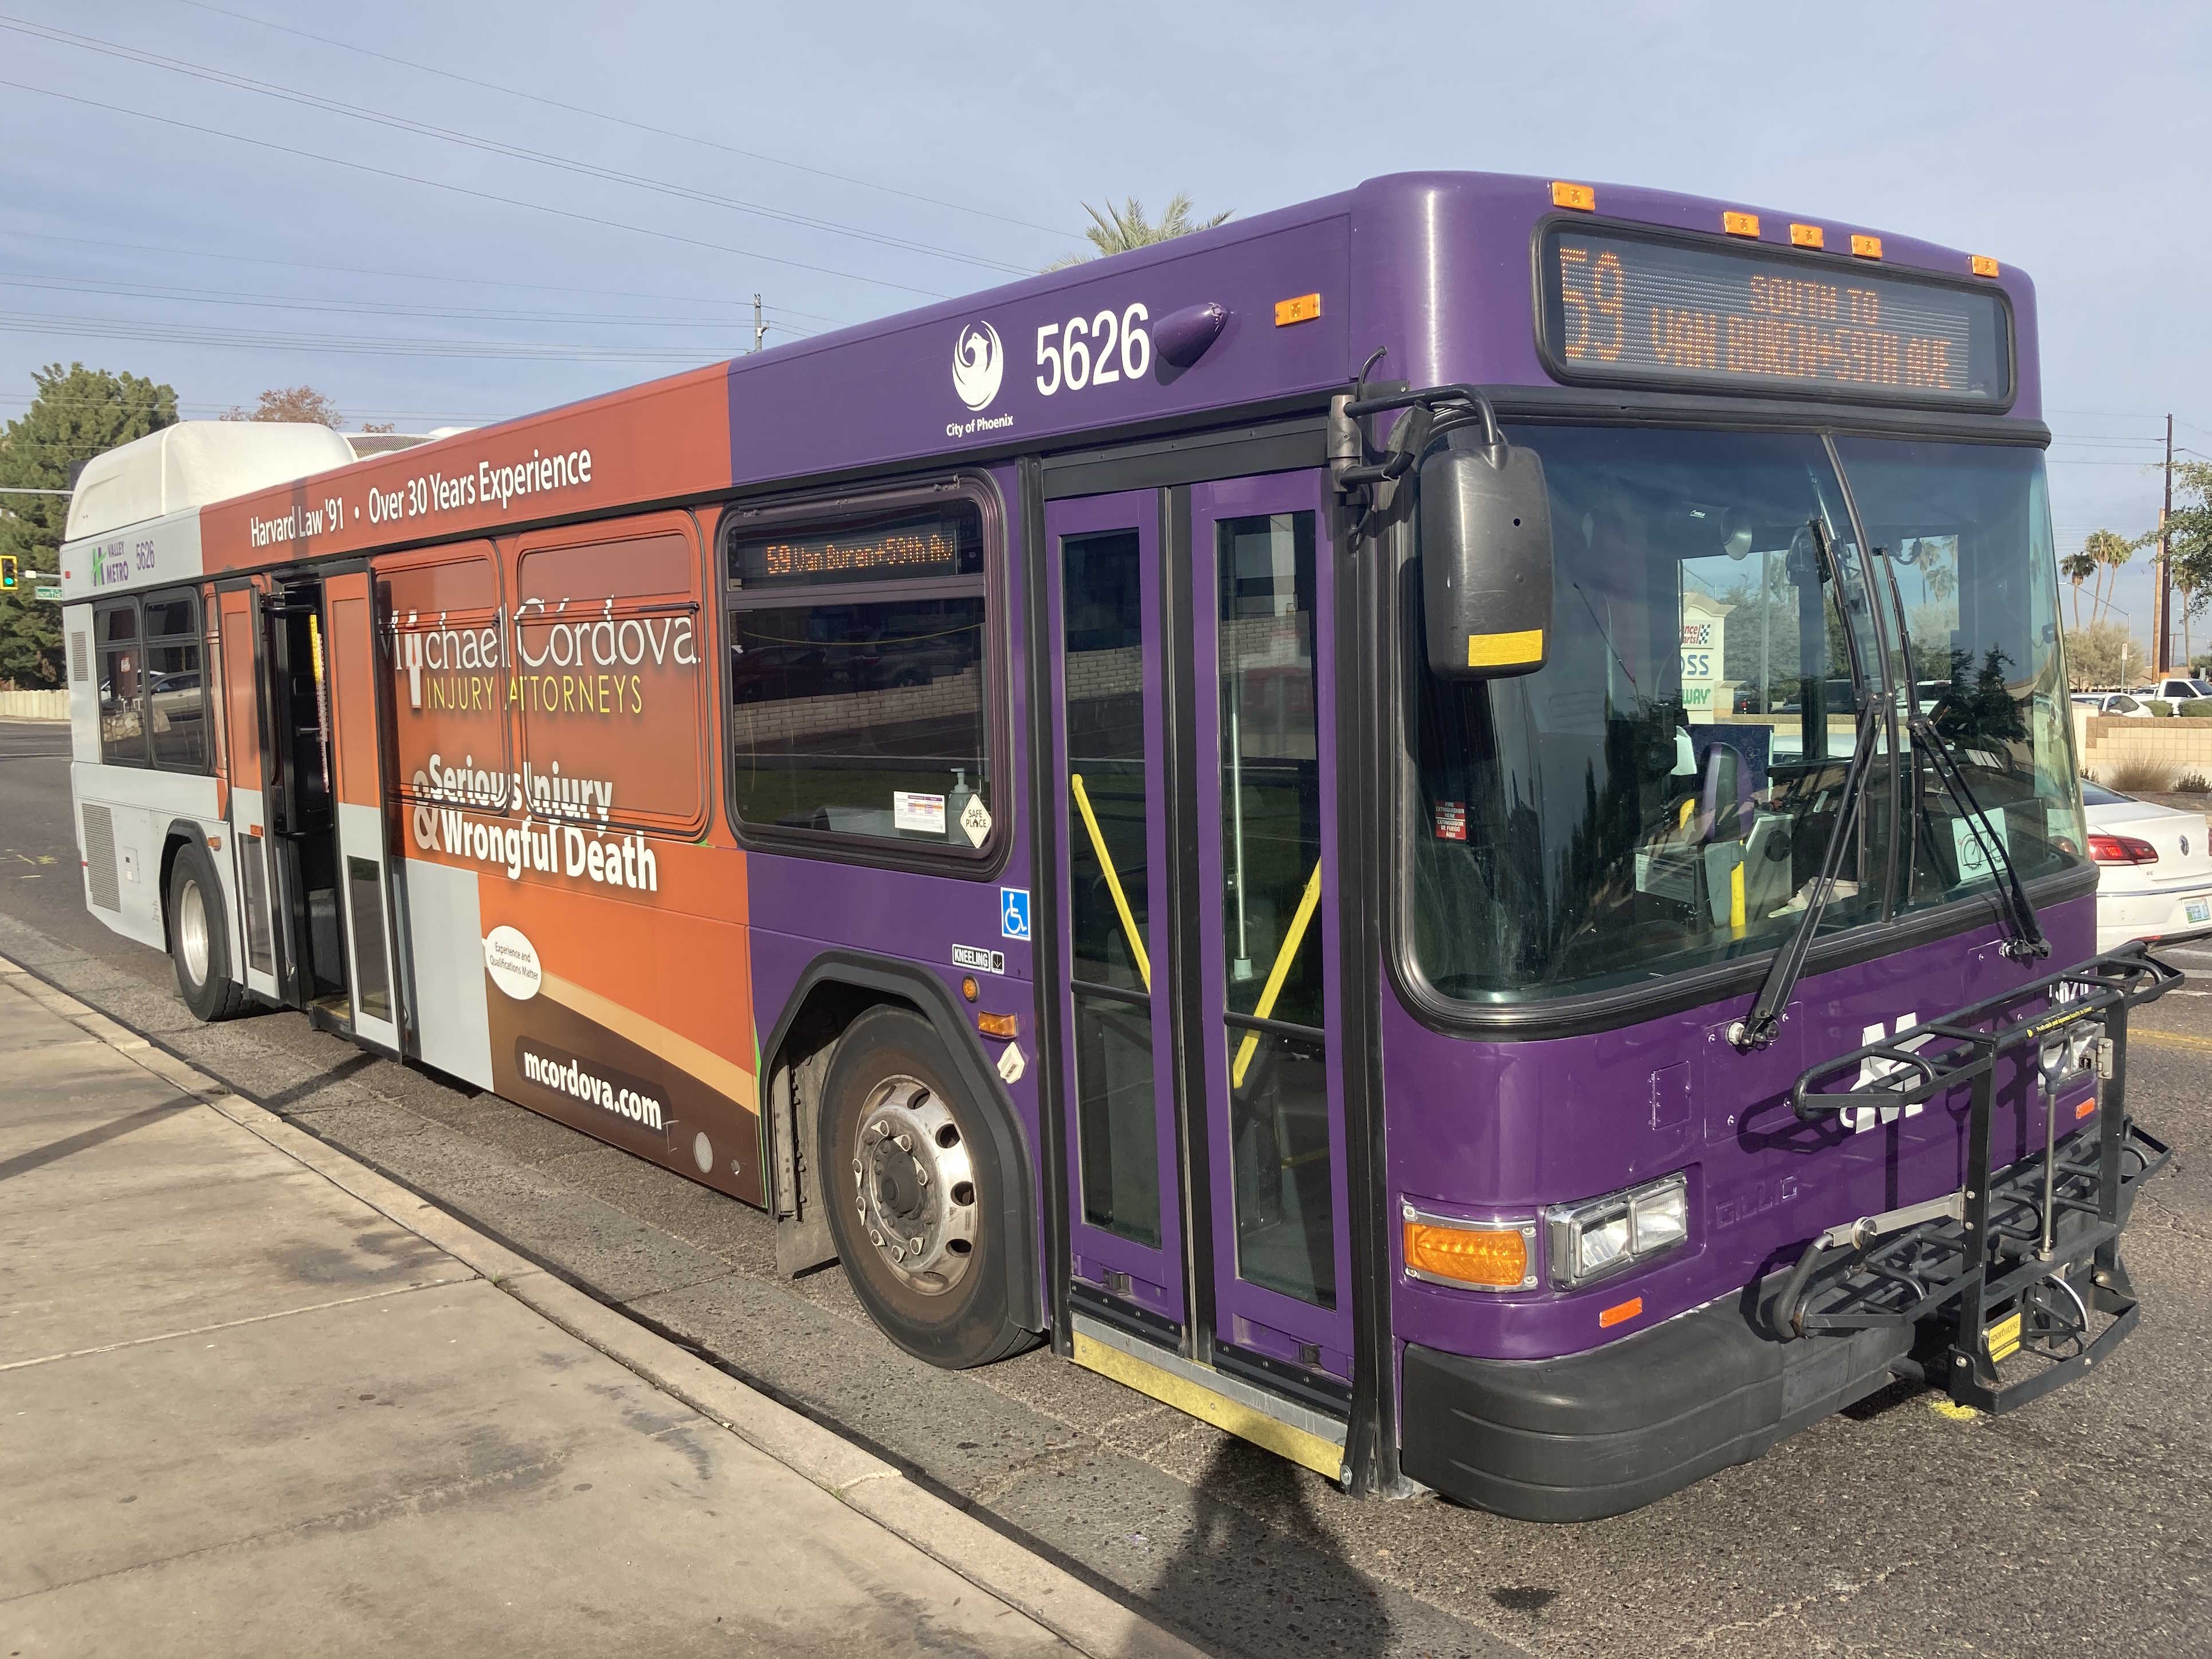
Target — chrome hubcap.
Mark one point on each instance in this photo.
(192, 932)
(914, 1187)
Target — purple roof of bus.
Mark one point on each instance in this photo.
(1434, 266)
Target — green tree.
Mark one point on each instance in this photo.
(1121, 228)
(2102, 657)
(2188, 542)
(78, 412)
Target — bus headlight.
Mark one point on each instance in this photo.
(1606, 1236)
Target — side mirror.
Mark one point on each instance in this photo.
(1485, 555)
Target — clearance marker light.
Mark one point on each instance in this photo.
(1303, 309)
(2085, 1109)
(1807, 236)
(1739, 224)
(1866, 247)
(1579, 197)
(998, 1025)
(1984, 265)
(1619, 1311)
(1487, 1255)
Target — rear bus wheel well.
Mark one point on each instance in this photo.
(831, 995)
(180, 835)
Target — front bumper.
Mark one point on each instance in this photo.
(1598, 1433)
(1946, 1299)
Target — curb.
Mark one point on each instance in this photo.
(1078, 1613)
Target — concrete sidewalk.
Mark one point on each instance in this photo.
(256, 1399)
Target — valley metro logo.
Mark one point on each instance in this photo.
(977, 364)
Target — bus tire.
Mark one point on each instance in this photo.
(199, 938)
(911, 1178)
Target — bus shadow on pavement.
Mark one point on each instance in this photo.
(1334, 1607)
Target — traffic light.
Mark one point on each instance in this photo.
(7, 571)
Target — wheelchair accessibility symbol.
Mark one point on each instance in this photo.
(1014, 912)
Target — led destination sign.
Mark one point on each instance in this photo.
(938, 545)
(1625, 307)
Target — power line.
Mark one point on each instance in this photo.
(213, 296)
(639, 126)
(491, 146)
(463, 190)
(417, 276)
(205, 411)
(116, 328)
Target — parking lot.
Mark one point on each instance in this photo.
(2080, 1524)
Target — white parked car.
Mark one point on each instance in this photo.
(2154, 867)
(2174, 691)
(2113, 702)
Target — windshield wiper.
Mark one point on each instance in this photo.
(2027, 943)
(1764, 1023)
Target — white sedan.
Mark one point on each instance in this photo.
(2154, 869)
(2113, 702)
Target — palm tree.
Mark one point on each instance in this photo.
(1121, 228)
(2108, 549)
(2077, 567)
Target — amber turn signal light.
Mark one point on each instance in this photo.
(998, 1025)
(1493, 1256)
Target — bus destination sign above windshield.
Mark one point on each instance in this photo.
(1627, 307)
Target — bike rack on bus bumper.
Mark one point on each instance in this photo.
(2054, 1217)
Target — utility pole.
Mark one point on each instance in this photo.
(2162, 608)
(760, 333)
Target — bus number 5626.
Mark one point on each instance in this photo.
(1085, 353)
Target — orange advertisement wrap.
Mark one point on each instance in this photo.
(662, 441)
(550, 720)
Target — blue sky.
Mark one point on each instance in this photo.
(417, 278)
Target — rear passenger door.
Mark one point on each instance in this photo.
(238, 624)
(359, 746)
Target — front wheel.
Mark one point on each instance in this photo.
(199, 941)
(912, 1180)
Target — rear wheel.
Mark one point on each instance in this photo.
(914, 1194)
(199, 938)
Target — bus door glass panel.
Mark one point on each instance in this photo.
(239, 627)
(301, 819)
(1126, 1232)
(358, 750)
(1268, 980)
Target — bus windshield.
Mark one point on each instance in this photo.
(1659, 795)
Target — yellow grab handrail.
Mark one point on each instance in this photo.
(1113, 879)
(1278, 974)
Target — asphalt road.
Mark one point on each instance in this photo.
(2082, 1523)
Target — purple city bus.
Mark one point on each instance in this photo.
(1438, 826)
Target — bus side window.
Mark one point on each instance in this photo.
(122, 685)
(176, 681)
(858, 652)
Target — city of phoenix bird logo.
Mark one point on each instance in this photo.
(977, 365)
